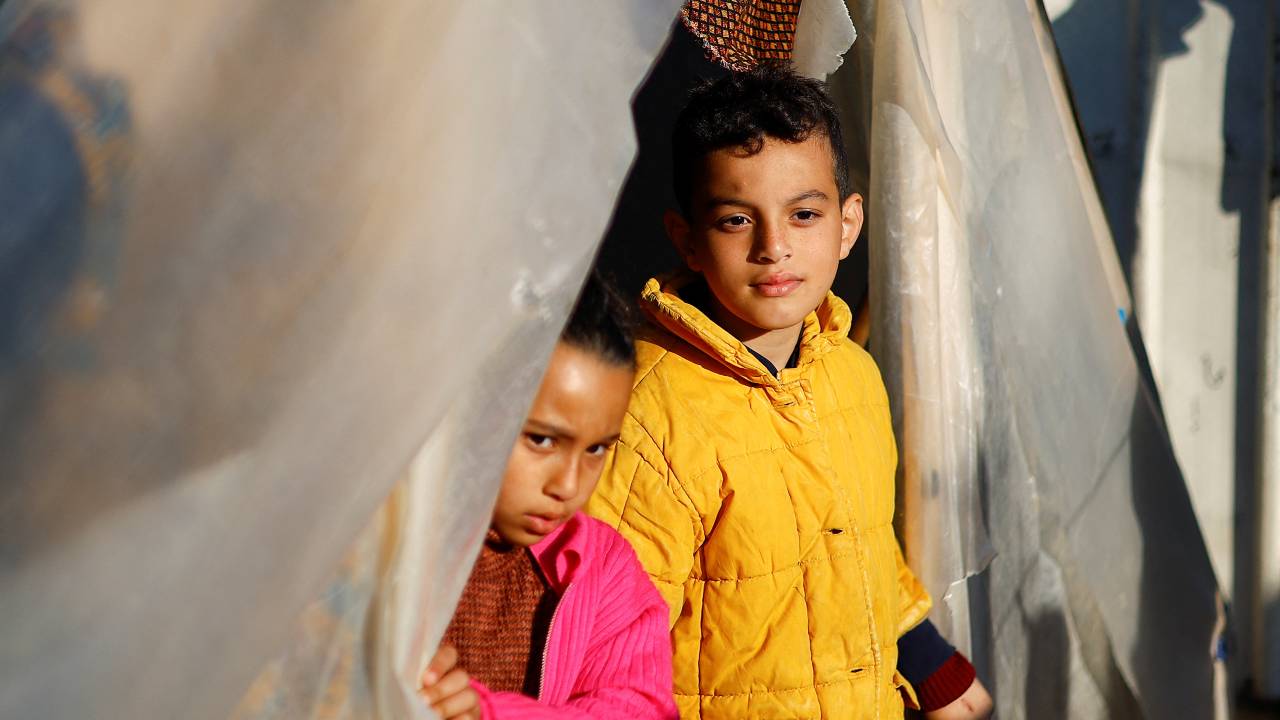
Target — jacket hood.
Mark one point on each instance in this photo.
(823, 329)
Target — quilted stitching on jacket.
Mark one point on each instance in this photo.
(762, 507)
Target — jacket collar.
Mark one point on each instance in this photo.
(824, 328)
(562, 553)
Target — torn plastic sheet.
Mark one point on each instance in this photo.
(1024, 426)
(254, 253)
(824, 34)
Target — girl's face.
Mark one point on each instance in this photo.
(557, 459)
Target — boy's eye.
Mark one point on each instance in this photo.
(735, 221)
(599, 449)
(542, 442)
(806, 215)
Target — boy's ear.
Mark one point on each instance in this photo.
(678, 230)
(850, 223)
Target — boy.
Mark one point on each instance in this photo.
(755, 470)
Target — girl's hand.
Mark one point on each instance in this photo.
(974, 704)
(447, 687)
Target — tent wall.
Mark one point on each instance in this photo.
(1175, 99)
(999, 322)
(1266, 616)
(305, 244)
(254, 254)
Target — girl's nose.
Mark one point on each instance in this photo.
(564, 484)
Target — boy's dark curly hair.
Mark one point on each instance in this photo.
(741, 110)
(601, 323)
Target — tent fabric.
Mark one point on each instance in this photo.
(824, 33)
(813, 34)
(741, 35)
(295, 248)
(1041, 502)
(324, 235)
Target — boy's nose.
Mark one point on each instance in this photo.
(771, 244)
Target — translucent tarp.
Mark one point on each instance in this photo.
(1024, 425)
(258, 252)
(254, 253)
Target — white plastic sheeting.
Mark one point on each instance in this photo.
(305, 234)
(824, 33)
(1025, 429)
(1175, 100)
(309, 236)
(1266, 659)
(1198, 198)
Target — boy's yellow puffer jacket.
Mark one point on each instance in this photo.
(763, 507)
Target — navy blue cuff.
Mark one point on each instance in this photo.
(921, 652)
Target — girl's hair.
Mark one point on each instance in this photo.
(601, 323)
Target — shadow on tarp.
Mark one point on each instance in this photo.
(1111, 51)
(1175, 570)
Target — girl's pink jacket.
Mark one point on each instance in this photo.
(608, 652)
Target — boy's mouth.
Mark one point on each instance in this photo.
(777, 285)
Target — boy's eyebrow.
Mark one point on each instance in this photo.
(815, 194)
(808, 195)
(713, 202)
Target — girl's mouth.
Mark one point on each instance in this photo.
(541, 524)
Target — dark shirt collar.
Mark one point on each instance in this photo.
(791, 361)
(699, 295)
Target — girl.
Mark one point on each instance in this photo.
(558, 619)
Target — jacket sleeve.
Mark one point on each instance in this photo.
(626, 672)
(913, 600)
(641, 497)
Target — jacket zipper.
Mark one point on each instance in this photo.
(546, 647)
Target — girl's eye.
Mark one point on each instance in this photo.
(542, 442)
(806, 215)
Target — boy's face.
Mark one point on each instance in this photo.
(558, 457)
(767, 231)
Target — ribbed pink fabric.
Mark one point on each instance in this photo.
(609, 652)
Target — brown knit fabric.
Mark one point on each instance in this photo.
(501, 622)
(740, 34)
